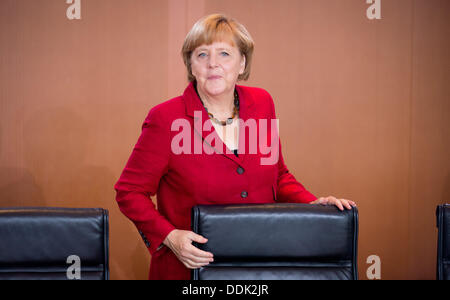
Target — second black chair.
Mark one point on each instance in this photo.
(277, 241)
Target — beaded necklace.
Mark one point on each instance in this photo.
(214, 119)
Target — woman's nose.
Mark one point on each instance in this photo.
(212, 61)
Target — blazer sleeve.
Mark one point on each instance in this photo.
(288, 188)
(139, 180)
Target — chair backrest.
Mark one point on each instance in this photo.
(54, 243)
(277, 241)
(443, 253)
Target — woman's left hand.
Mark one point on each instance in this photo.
(330, 200)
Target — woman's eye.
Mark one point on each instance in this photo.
(202, 54)
(224, 53)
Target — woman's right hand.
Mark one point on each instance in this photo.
(180, 242)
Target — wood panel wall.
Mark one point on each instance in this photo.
(363, 106)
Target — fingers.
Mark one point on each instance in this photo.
(336, 202)
(341, 204)
(197, 252)
(200, 253)
(194, 258)
(189, 263)
(197, 238)
(346, 203)
(198, 262)
(192, 261)
(323, 201)
(191, 256)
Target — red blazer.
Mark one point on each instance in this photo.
(181, 181)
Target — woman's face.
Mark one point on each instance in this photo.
(216, 67)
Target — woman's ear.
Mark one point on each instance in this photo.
(242, 66)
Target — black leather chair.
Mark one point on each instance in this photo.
(443, 253)
(35, 243)
(277, 241)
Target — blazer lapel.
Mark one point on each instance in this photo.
(195, 109)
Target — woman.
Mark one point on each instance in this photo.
(184, 152)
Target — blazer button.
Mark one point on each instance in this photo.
(244, 194)
(240, 170)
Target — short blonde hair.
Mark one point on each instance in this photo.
(214, 28)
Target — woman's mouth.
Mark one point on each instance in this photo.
(214, 77)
